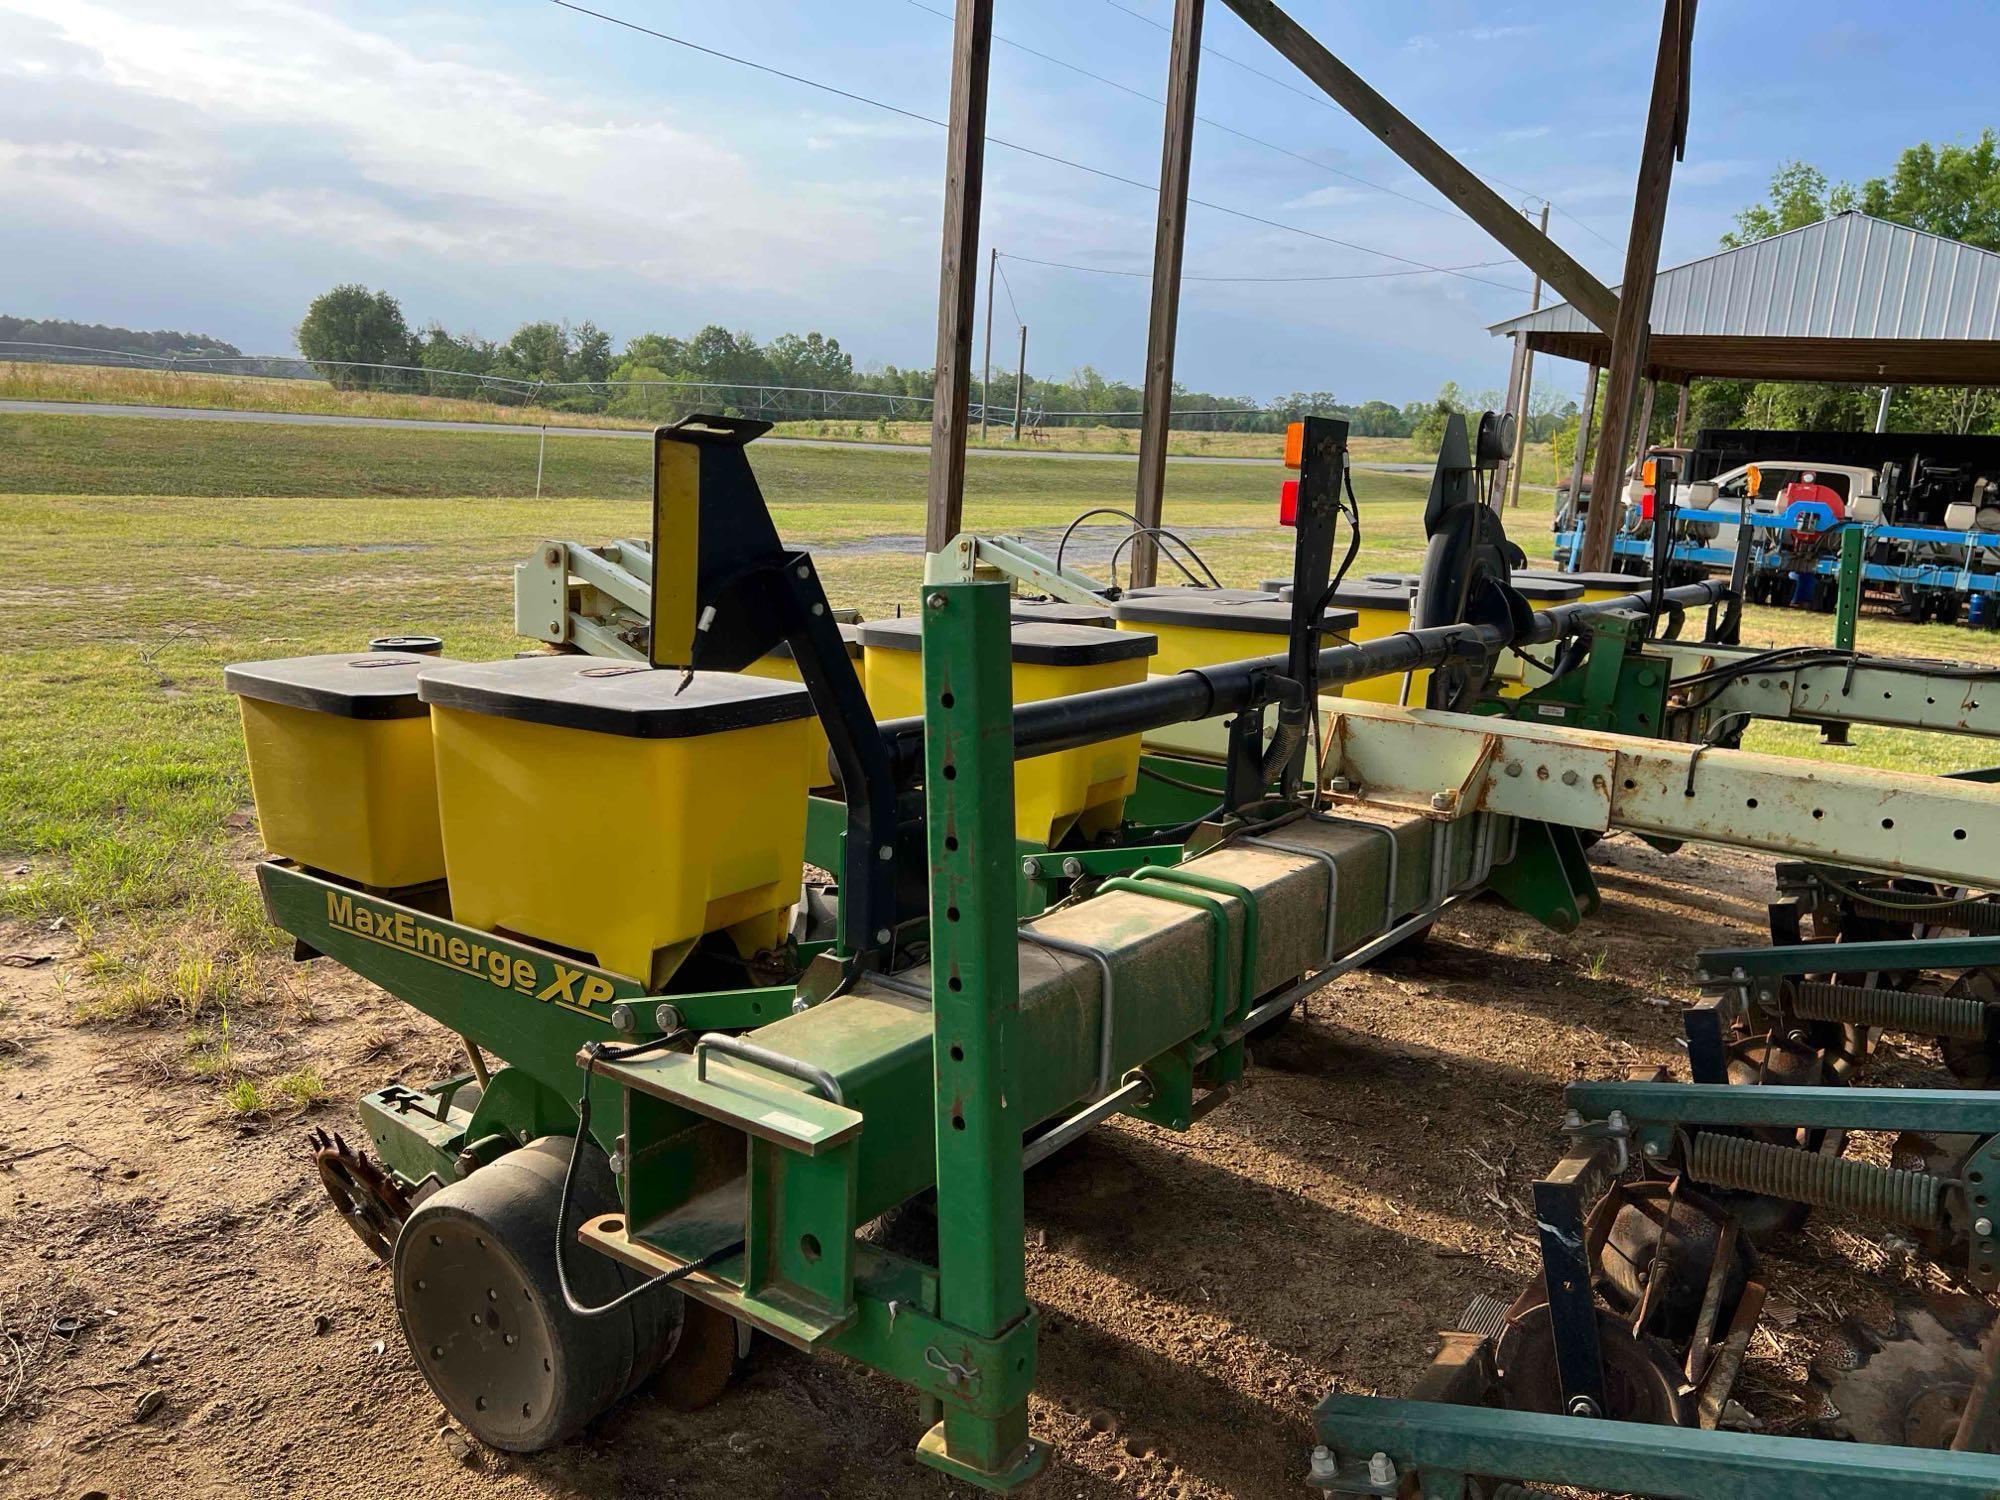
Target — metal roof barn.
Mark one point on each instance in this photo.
(1850, 299)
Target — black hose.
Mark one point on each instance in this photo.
(563, 1205)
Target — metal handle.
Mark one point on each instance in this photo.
(764, 1057)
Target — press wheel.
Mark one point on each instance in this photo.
(481, 1308)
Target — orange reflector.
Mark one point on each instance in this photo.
(1649, 472)
(1295, 445)
(1288, 503)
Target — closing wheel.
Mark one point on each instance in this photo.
(1642, 1382)
(479, 1302)
(1976, 1064)
(1905, 1385)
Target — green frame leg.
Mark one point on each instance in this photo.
(969, 793)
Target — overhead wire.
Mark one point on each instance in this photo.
(1062, 265)
(1326, 103)
(1283, 150)
(1015, 146)
(1019, 322)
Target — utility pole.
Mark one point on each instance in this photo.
(958, 271)
(1509, 487)
(1583, 421)
(1665, 141)
(1020, 381)
(986, 379)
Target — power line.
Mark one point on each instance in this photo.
(1047, 156)
(1125, 88)
(1326, 103)
(1061, 265)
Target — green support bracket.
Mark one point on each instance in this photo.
(1548, 878)
(969, 797)
(826, 834)
(1226, 1066)
(418, 1133)
(1042, 871)
(1620, 688)
(1847, 604)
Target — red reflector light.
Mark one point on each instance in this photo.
(1288, 503)
(1646, 505)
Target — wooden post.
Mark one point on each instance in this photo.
(1666, 130)
(1583, 421)
(958, 279)
(1681, 417)
(986, 377)
(1020, 380)
(1436, 165)
(1504, 470)
(1169, 236)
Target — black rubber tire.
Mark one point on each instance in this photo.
(480, 1305)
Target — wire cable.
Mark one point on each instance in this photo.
(1326, 103)
(1015, 146)
(1061, 265)
(1155, 531)
(1013, 306)
(564, 1203)
(1255, 140)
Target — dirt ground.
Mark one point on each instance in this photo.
(182, 1315)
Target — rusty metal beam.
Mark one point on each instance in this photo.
(1666, 139)
(1169, 237)
(958, 273)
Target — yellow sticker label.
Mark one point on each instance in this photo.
(571, 987)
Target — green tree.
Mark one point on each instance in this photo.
(590, 358)
(538, 351)
(1800, 195)
(352, 325)
(813, 361)
(1952, 191)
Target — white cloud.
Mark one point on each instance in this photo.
(276, 120)
(1469, 36)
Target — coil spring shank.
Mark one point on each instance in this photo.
(1979, 918)
(1899, 1010)
(1910, 1198)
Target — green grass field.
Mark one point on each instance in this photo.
(151, 553)
(26, 380)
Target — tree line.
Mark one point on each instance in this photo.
(161, 342)
(360, 339)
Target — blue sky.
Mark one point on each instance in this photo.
(212, 167)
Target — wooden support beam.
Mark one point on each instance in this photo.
(1169, 237)
(1681, 417)
(1436, 165)
(958, 270)
(1666, 131)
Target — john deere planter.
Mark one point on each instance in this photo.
(691, 1084)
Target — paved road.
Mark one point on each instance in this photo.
(324, 419)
